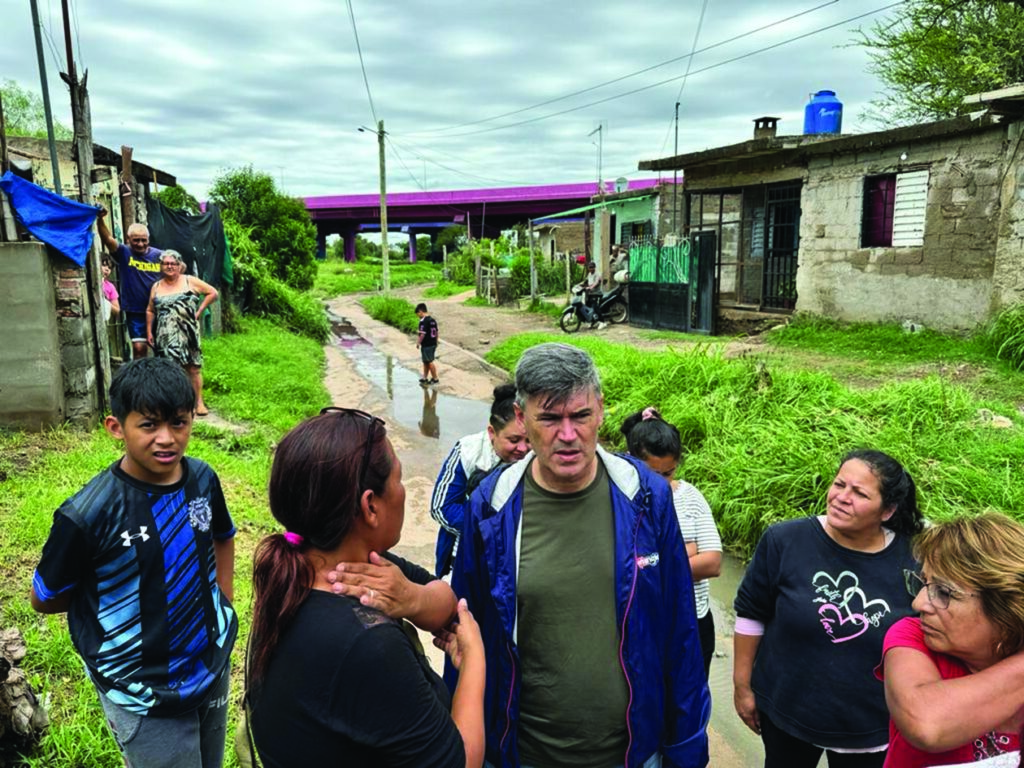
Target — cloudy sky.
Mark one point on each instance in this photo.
(197, 87)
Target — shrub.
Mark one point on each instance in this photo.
(279, 225)
(261, 294)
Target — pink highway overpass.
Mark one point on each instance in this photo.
(484, 212)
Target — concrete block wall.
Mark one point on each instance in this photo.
(947, 282)
(31, 376)
(1008, 272)
(77, 345)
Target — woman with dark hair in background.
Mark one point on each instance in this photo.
(656, 442)
(472, 457)
(954, 676)
(340, 679)
(812, 612)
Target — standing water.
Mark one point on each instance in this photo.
(436, 415)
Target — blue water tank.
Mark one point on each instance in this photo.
(823, 113)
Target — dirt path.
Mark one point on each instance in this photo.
(466, 385)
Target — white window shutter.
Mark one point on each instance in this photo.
(909, 208)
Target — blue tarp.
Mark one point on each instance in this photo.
(57, 221)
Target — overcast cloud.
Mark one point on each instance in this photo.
(197, 86)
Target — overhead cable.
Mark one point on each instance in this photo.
(673, 79)
(627, 76)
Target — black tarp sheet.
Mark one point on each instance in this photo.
(199, 239)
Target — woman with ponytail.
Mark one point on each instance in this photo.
(340, 679)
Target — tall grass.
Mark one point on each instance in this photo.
(444, 289)
(1004, 336)
(763, 443)
(393, 311)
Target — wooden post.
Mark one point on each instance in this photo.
(82, 121)
(533, 268)
(568, 277)
(444, 262)
(7, 229)
(3, 138)
(476, 250)
(126, 189)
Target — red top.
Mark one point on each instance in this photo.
(907, 633)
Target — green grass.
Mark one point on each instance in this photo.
(542, 307)
(444, 289)
(393, 311)
(872, 341)
(763, 441)
(477, 301)
(334, 278)
(265, 378)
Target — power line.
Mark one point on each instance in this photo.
(673, 79)
(362, 66)
(627, 76)
(471, 176)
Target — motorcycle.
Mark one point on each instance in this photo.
(610, 308)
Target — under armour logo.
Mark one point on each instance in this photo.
(130, 537)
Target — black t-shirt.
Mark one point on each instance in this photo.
(428, 332)
(348, 686)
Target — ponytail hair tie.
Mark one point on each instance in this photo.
(650, 413)
(293, 538)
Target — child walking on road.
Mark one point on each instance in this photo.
(142, 561)
(426, 342)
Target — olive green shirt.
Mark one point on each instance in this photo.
(573, 698)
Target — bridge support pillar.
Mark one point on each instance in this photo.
(321, 244)
(348, 235)
(412, 246)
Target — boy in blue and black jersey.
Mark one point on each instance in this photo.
(142, 561)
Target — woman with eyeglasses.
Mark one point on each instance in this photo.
(331, 678)
(811, 615)
(176, 302)
(954, 676)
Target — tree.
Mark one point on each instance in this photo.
(176, 198)
(939, 51)
(24, 114)
(279, 224)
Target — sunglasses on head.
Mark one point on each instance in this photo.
(368, 445)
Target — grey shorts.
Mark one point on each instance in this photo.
(193, 740)
(427, 353)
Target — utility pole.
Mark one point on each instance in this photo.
(54, 163)
(83, 155)
(600, 151)
(384, 258)
(675, 176)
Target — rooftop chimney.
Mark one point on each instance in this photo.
(765, 127)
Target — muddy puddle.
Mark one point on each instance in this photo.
(436, 415)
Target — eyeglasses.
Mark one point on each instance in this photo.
(368, 445)
(939, 595)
